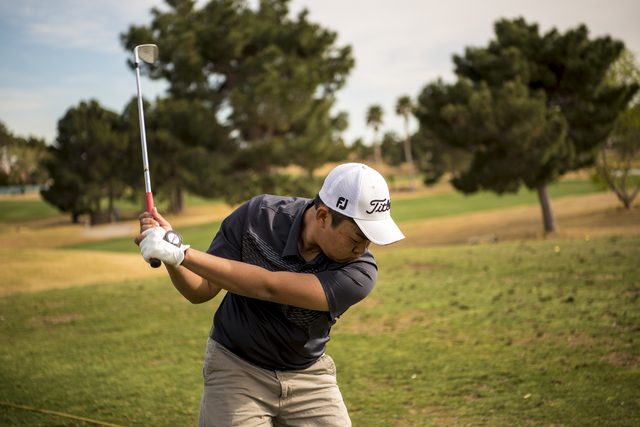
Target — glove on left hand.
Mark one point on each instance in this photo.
(154, 246)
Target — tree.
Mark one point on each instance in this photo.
(374, 119)
(21, 159)
(555, 78)
(435, 158)
(267, 80)
(361, 151)
(392, 147)
(404, 108)
(182, 140)
(616, 166)
(618, 157)
(87, 161)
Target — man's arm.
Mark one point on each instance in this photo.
(297, 289)
(201, 277)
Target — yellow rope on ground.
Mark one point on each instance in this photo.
(59, 414)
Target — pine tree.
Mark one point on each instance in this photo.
(529, 108)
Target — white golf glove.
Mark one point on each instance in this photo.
(154, 246)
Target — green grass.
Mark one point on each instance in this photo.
(512, 334)
(20, 210)
(404, 210)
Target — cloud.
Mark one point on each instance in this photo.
(400, 46)
(76, 24)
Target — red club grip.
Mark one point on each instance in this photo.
(155, 263)
(149, 202)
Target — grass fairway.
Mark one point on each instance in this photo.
(419, 207)
(24, 208)
(539, 333)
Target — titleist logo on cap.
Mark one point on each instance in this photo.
(382, 205)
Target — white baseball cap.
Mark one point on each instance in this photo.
(359, 192)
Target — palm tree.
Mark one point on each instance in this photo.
(404, 107)
(374, 119)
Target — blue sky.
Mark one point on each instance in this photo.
(54, 54)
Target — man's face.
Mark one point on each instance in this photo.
(345, 242)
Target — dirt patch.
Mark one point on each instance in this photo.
(370, 325)
(624, 360)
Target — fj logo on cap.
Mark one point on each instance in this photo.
(383, 205)
(342, 203)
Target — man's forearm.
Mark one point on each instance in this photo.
(193, 287)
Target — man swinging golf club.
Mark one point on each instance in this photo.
(291, 267)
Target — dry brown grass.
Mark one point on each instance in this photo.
(31, 270)
(594, 215)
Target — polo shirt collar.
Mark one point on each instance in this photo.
(291, 248)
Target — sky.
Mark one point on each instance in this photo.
(55, 54)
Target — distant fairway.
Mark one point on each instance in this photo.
(455, 203)
(405, 209)
(18, 209)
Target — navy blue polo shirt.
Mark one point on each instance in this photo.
(264, 232)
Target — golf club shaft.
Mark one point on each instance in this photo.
(155, 263)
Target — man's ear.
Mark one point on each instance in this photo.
(323, 217)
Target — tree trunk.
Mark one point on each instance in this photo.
(177, 200)
(548, 217)
(377, 152)
(96, 215)
(112, 214)
(407, 155)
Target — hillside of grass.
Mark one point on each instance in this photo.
(531, 333)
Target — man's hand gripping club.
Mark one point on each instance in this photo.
(152, 242)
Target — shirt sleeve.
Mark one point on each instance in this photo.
(228, 241)
(348, 284)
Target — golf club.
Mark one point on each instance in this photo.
(148, 53)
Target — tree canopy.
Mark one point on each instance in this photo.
(374, 118)
(265, 85)
(618, 162)
(529, 107)
(90, 160)
(404, 108)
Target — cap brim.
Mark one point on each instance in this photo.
(380, 232)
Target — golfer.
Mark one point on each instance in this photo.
(291, 267)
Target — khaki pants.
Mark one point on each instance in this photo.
(238, 393)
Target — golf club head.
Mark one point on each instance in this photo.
(147, 52)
